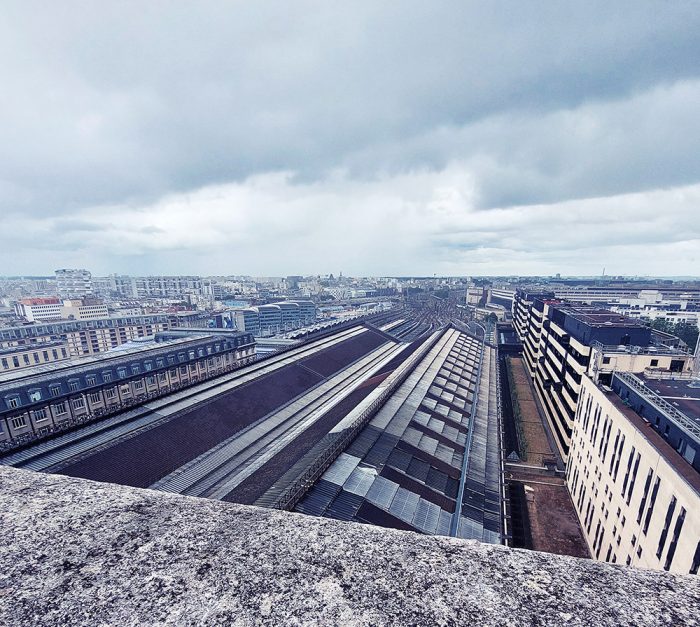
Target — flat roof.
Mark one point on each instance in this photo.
(675, 460)
(683, 394)
(598, 317)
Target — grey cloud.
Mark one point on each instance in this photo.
(117, 102)
(116, 108)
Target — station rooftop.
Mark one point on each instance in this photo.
(429, 460)
(207, 439)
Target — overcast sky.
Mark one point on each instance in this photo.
(371, 138)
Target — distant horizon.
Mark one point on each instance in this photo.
(382, 276)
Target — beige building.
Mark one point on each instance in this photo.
(83, 337)
(27, 356)
(634, 472)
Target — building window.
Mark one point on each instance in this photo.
(12, 402)
(55, 390)
(90, 380)
(111, 393)
(135, 369)
(78, 403)
(121, 372)
(696, 561)
(60, 408)
(18, 422)
(139, 384)
(606, 360)
(34, 396)
(74, 386)
(667, 524)
(652, 502)
(654, 362)
(106, 377)
(151, 380)
(40, 414)
(95, 397)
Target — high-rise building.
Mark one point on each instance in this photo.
(75, 283)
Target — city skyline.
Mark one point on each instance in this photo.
(381, 139)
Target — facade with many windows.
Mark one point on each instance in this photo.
(563, 343)
(84, 337)
(26, 357)
(275, 317)
(633, 472)
(50, 398)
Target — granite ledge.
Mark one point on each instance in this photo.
(78, 552)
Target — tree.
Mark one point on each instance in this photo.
(683, 330)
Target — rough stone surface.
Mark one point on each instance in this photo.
(77, 552)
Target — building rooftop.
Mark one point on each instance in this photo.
(53, 370)
(683, 394)
(684, 469)
(597, 317)
(252, 410)
(428, 460)
(79, 552)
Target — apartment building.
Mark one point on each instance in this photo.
(634, 471)
(562, 343)
(24, 357)
(46, 399)
(528, 316)
(83, 337)
(73, 283)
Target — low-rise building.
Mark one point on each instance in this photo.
(634, 471)
(38, 309)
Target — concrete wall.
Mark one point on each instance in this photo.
(78, 552)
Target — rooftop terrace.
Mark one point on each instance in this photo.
(79, 552)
